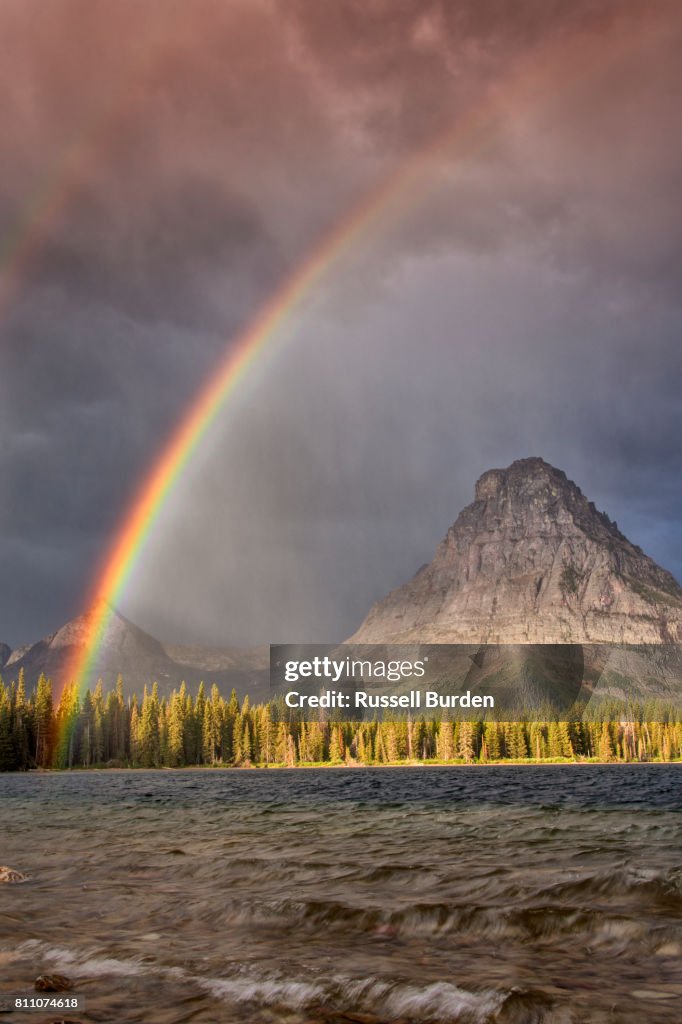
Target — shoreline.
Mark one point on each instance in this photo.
(508, 763)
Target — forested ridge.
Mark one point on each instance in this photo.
(108, 730)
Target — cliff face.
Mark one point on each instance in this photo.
(531, 560)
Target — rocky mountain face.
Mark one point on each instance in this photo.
(531, 560)
(5, 653)
(141, 660)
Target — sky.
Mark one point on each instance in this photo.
(166, 165)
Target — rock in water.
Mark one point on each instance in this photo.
(12, 877)
(52, 983)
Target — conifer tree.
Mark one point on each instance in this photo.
(43, 721)
(134, 741)
(8, 758)
(208, 745)
(606, 748)
(66, 719)
(176, 729)
(198, 719)
(315, 741)
(217, 724)
(163, 733)
(390, 737)
(98, 738)
(515, 741)
(149, 735)
(445, 741)
(21, 724)
(237, 737)
(491, 734)
(86, 728)
(229, 722)
(465, 741)
(246, 742)
(281, 744)
(336, 751)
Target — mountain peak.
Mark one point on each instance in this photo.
(533, 483)
(531, 469)
(531, 560)
(126, 649)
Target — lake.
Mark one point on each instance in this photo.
(514, 895)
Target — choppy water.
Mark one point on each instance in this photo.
(500, 894)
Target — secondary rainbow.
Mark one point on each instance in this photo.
(565, 57)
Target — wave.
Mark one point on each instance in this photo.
(580, 909)
(662, 889)
(333, 997)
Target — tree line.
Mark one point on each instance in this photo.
(107, 730)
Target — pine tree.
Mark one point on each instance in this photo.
(515, 741)
(315, 742)
(337, 750)
(176, 729)
(43, 721)
(134, 741)
(229, 722)
(66, 719)
(281, 743)
(465, 742)
(247, 742)
(149, 735)
(118, 723)
(8, 758)
(445, 745)
(217, 724)
(86, 730)
(208, 746)
(189, 739)
(537, 741)
(21, 724)
(606, 748)
(237, 737)
(491, 734)
(98, 738)
(390, 737)
(553, 740)
(198, 718)
(163, 733)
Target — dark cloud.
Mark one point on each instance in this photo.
(151, 256)
(165, 165)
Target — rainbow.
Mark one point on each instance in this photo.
(562, 57)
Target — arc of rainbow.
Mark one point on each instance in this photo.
(242, 354)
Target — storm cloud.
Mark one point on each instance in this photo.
(167, 165)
